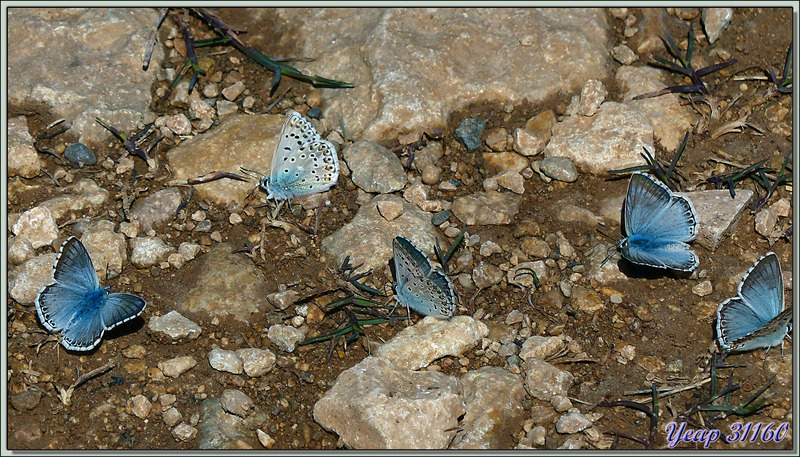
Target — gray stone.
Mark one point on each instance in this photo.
(38, 226)
(20, 250)
(83, 63)
(593, 95)
(80, 154)
(106, 248)
(715, 20)
(220, 273)
(541, 347)
(156, 209)
(394, 56)
(559, 168)
(77, 198)
(26, 400)
(23, 160)
(285, 337)
(486, 208)
(367, 239)
(669, 119)
(173, 328)
(485, 275)
(256, 362)
(718, 214)
(147, 251)
(221, 430)
(364, 405)
(432, 338)
(611, 139)
(171, 416)
(493, 399)
(25, 281)
(223, 360)
(543, 380)
(440, 217)
(177, 366)
(374, 168)
(236, 402)
(140, 406)
(248, 141)
(469, 133)
(572, 422)
(184, 432)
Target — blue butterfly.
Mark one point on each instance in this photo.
(303, 163)
(658, 226)
(75, 304)
(755, 317)
(419, 286)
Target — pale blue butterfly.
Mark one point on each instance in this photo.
(755, 317)
(303, 163)
(658, 225)
(75, 304)
(419, 286)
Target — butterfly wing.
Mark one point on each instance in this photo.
(652, 209)
(303, 163)
(57, 305)
(762, 287)
(676, 256)
(755, 318)
(419, 286)
(74, 268)
(658, 225)
(120, 308)
(86, 329)
(74, 277)
(739, 328)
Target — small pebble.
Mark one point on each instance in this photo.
(440, 217)
(469, 133)
(80, 154)
(703, 288)
(452, 232)
(314, 113)
(430, 174)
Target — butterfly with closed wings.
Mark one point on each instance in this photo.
(658, 226)
(755, 317)
(75, 304)
(303, 163)
(418, 285)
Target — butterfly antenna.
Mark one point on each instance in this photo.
(250, 194)
(610, 252)
(252, 173)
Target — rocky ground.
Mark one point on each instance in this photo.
(514, 118)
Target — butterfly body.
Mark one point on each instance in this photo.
(419, 286)
(303, 163)
(75, 304)
(658, 226)
(755, 317)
